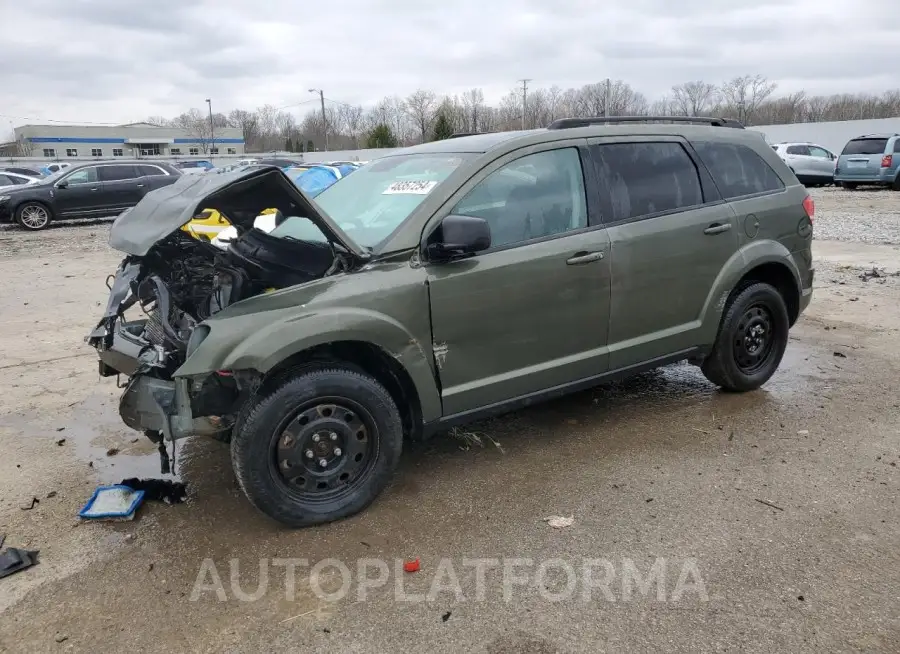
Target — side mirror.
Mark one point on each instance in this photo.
(62, 184)
(460, 236)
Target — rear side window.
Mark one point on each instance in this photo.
(149, 170)
(897, 145)
(116, 173)
(737, 169)
(865, 146)
(647, 178)
(798, 149)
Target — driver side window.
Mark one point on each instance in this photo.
(82, 176)
(536, 196)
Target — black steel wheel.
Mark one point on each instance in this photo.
(318, 448)
(324, 451)
(753, 336)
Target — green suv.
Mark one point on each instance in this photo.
(445, 283)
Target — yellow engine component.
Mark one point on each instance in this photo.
(206, 224)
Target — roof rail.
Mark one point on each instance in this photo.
(570, 123)
(459, 135)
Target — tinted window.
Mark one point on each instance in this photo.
(737, 169)
(798, 149)
(647, 178)
(535, 196)
(149, 170)
(865, 146)
(82, 176)
(897, 145)
(116, 173)
(19, 180)
(6, 181)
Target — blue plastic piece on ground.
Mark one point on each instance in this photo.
(112, 502)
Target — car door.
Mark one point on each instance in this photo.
(822, 161)
(799, 160)
(120, 186)
(670, 236)
(531, 312)
(79, 192)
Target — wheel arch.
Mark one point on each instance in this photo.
(364, 357)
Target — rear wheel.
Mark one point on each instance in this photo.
(320, 447)
(33, 216)
(751, 341)
(896, 185)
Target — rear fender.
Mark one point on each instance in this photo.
(743, 261)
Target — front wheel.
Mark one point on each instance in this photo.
(751, 341)
(319, 448)
(33, 216)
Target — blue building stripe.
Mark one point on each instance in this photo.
(98, 139)
(217, 140)
(67, 139)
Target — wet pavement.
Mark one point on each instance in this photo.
(770, 519)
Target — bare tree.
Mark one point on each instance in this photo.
(196, 126)
(473, 101)
(693, 98)
(351, 120)
(158, 121)
(248, 123)
(420, 107)
(746, 93)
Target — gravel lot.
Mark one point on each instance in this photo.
(863, 216)
(786, 499)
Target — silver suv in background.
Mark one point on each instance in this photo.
(812, 164)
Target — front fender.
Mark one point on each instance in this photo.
(741, 262)
(265, 347)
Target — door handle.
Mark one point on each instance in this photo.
(717, 228)
(95, 188)
(584, 257)
(140, 186)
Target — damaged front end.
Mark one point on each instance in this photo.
(170, 282)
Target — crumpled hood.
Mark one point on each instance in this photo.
(240, 196)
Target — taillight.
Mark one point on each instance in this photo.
(809, 206)
(887, 160)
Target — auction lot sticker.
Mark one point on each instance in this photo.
(410, 188)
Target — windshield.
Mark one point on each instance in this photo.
(865, 146)
(373, 201)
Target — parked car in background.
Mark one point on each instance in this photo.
(280, 162)
(194, 167)
(449, 282)
(316, 179)
(873, 159)
(49, 169)
(812, 164)
(88, 190)
(13, 180)
(30, 172)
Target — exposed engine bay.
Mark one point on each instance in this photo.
(171, 281)
(183, 280)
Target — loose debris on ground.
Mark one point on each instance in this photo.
(14, 560)
(560, 522)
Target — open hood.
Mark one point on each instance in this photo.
(240, 196)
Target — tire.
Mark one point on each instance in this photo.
(896, 185)
(744, 358)
(34, 216)
(345, 419)
(850, 186)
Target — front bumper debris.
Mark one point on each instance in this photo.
(158, 405)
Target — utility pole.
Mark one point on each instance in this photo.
(212, 133)
(324, 119)
(608, 92)
(524, 99)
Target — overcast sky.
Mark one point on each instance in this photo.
(124, 60)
